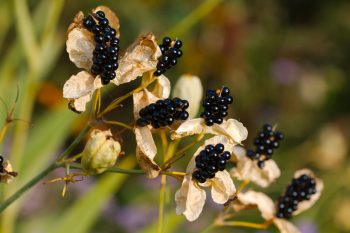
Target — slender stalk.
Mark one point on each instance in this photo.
(161, 204)
(27, 186)
(114, 170)
(46, 171)
(242, 185)
(117, 101)
(247, 224)
(119, 124)
(179, 154)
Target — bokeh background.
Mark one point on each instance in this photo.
(286, 62)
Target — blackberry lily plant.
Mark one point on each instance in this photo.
(220, 159)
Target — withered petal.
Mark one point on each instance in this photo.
(80, 46)
(189, 199)
(140, 57)
(147, 164)
(232, 129)
(222, 187)
(258, 199)
(79, 105)
(79, 85)
(247, 169)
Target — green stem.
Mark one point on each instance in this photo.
(27, 186)
(114, 170)
(161, 204)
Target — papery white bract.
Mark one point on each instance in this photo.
(140, 57)
(7, 175)
(189, 87)
(146, 148)
(267, 207)
(247, 169)
(231, 128)
(190, 198)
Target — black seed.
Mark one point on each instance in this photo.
(228, 99)
(88, 22)
(105, 81)
(103, 22)
(267, 127)
(185, 104)
(218, 120)
(184, 115)
(141, 122)
(100, 14)
(158, 73)
(209, 122)
(96, 29)
(166, 41)
(219, 147)
(261, 164)
(225, 91)
(107, 37)
(278, 135)
(179, 53)
(178, 44)
(226, 155)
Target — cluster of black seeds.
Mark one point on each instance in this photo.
(216, 105)
(105, 55)
(163, 112)
(209, 161)
(266, 141)
(170, 53)
(301, 189)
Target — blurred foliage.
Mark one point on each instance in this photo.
(286, 62)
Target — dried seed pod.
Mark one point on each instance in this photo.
(100, 153)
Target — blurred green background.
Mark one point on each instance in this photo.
(287, 62)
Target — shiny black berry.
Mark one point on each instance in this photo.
(100, 14)
(209, 161)
(163, 112)
(215, 105)
(88, 22)
(266, 141)
(301, 189)
(105, 54)
(170, 53)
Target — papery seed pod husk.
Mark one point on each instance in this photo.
(189, 87)
(100, 153)
(8, 174)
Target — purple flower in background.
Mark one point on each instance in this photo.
(132, 218)
(285, 71)
(307, 226)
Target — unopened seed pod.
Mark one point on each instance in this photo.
(100, 153)
(189, 87)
